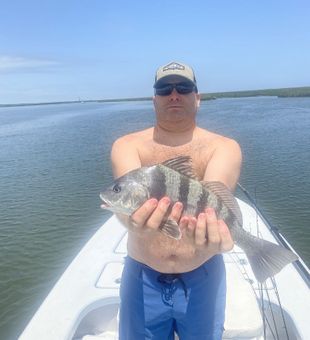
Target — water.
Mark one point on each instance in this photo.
(54, 160)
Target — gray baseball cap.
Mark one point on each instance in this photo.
(174, 69)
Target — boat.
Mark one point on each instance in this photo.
(84, 303)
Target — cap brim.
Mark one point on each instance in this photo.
(172, 77)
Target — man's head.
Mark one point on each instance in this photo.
(176, 96)
(174, 70)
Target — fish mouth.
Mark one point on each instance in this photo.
(104, 203)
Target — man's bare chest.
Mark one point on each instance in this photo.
(156, 153)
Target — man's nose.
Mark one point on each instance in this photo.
(174, 95)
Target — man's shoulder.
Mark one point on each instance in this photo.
(215, 139)
(126, 152)
(134, 138)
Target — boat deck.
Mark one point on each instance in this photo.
(84, 302)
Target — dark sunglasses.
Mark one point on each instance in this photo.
(181, 88)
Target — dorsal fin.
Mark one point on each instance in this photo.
(221, 190)
(181, 164)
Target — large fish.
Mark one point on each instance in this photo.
(174, 178)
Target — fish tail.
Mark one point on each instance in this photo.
(267, 258)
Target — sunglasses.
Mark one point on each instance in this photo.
(181, 88)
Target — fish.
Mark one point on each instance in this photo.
(175, 178)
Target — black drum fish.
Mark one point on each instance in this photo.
(174, 178)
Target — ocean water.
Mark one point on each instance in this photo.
(54, 159)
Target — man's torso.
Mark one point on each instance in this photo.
(156, 250)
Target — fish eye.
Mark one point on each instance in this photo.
(117, 188)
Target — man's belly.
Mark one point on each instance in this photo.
(164, 254)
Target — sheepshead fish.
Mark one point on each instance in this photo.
(174, 178)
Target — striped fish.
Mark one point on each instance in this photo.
(174, 178)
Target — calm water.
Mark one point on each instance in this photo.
(54, 159)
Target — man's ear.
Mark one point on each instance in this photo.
(198, 99)
(154, 101)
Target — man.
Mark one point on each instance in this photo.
(175, 286)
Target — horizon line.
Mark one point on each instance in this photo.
(205, 96)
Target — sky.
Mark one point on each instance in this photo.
(55, 50)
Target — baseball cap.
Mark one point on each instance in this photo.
(174, 69)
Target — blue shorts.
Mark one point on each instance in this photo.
(155, 305)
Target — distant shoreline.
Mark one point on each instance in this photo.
(281, 93)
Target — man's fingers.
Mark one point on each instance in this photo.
(201, 229)
(158, 214)
(213, 234)
(176, 212)
(152, 213)
(183, 223)
(188, 225)
(141, 215)
(206, 229)
(218, 234)
(227, 242)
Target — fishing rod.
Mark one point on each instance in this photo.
(299, 264)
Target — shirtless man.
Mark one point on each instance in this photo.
(172, 285)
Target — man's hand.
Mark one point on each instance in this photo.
(151, 214)
(207, 233)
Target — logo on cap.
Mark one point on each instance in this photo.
(173, 66)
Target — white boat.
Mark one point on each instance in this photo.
(84, 303)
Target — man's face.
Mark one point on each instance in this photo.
(176, 99)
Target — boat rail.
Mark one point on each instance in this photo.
(270, 321)
(300, 266)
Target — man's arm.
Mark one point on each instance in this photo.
(225, 163)
(210, 235)
(125, 157)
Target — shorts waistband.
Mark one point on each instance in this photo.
(215, 263)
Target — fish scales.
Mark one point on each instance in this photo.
(194, 197)
(156, 182)
(223, 212)
(172, 183)
(226, 215)
(184, 192)
(220, 208)
(183, 189)
(194, 193)
(213, 201)
(202, 202)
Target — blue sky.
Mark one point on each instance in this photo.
(97, 49)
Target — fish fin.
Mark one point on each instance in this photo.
(181, 164)
(171, 228)
(267, 258)
(221, 190)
